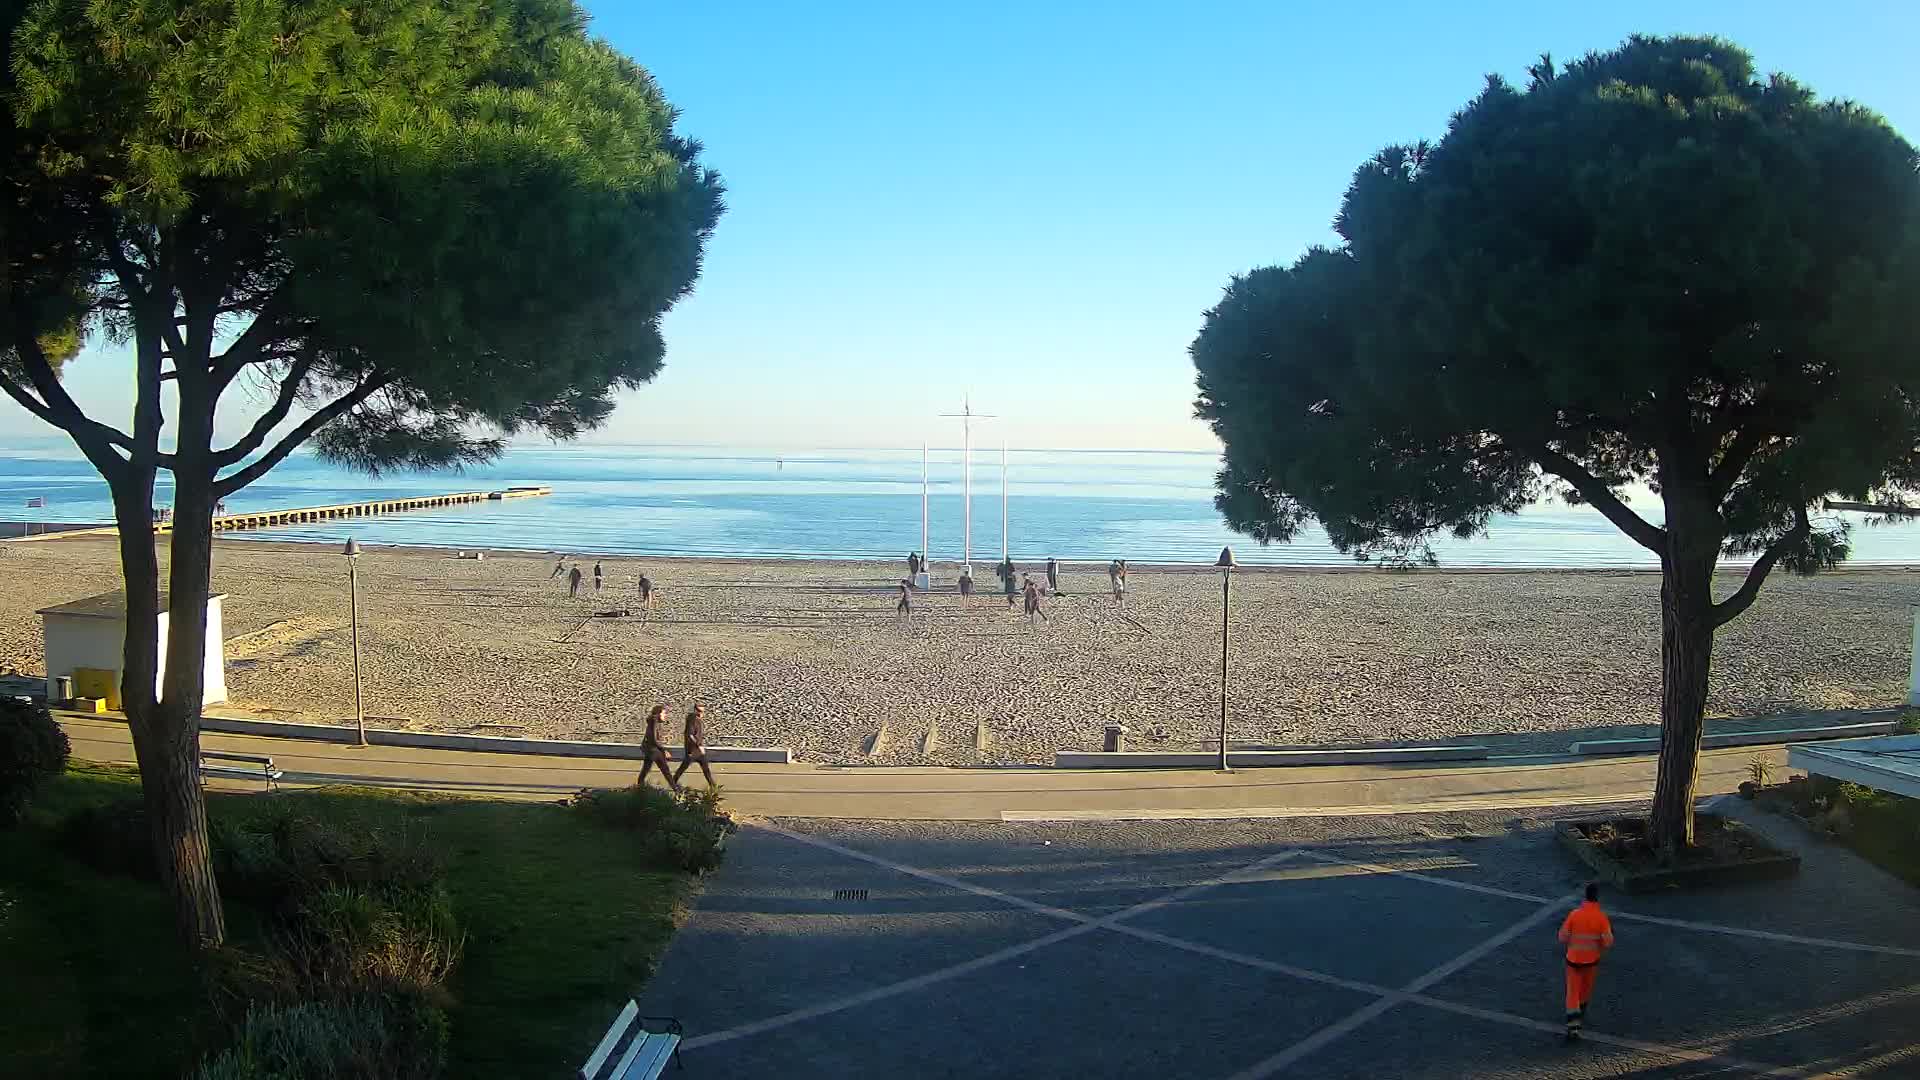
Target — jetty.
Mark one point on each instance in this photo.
(301, 515)
(1870, 508)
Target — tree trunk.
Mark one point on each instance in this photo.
(1686, 656)
(166, 738)
(168, 746)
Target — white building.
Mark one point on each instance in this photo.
(90, 635)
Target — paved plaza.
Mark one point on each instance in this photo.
(1364, 948)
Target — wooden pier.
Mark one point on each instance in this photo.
(302, 515)
(1869, 508)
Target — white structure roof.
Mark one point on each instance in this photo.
(1885, 762)
(108, 605)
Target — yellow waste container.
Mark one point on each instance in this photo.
(99, 683)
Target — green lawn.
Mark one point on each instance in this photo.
(562, 923)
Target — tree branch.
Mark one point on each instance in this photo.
(1746, 443)
(96, 440)
(1644, 533)
(277, 412)
(246, 349)
(319, 419)
(1729, 609)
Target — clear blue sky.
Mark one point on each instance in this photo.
(1036, 202)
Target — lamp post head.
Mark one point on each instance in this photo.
(1225, 561)
(352, 550)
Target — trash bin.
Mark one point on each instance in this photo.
(1116, 738)
(62, 689)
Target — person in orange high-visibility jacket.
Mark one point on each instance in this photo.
(1588, 934)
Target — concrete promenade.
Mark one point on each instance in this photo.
(986, 794)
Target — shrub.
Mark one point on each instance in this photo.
(112, 837)
(634, 808)
(32, 748)
(345, 940)
(676, 832)
(369, 1038)
(283, 858)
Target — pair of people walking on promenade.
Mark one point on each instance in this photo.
(653, 747)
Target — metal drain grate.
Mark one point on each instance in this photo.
(849, 894)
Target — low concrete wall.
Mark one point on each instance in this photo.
(1260, 759)
(486, 744)
(1737, 738)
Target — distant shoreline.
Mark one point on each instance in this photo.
(982, 562)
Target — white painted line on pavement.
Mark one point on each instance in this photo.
(879, 993)
(1359, 1017)
(1416, 875)
(925, 875)
(1388, 995)
(1631, 916)
(1083, 925)
(1230, 813)
(1764, 935)
(1680, 1053)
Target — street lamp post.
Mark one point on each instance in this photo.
(1226, 564)
(352, 553)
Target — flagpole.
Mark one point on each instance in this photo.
(925, 554)
(966, 416)
(966, 469)
(1003, 500)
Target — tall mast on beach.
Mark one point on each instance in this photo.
(1003, 500)
(967, 416)
(925, 553)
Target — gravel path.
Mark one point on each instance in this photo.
(810, 654)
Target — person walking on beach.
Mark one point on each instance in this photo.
(1006, 578)
(1053, 576)
(966, 581)
(913, 564)
(573, 581)
(652, 751)
(903, 611)
(1588, 934)
(558, 569)
(596, 575)
(646, 597)
(696, 746)
(1113, 577)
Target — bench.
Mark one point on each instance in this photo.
(247, 767)
(642, 1053)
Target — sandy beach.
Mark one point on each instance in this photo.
(811, 654)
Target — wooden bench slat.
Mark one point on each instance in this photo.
(591, 1069)
(235, 770)
(633, 1053)
(654, 1049)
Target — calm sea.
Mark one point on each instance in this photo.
(774, 503)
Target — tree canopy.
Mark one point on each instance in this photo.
(430, 223)
(1648, 267)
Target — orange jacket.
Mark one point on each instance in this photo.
(1587, 933)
